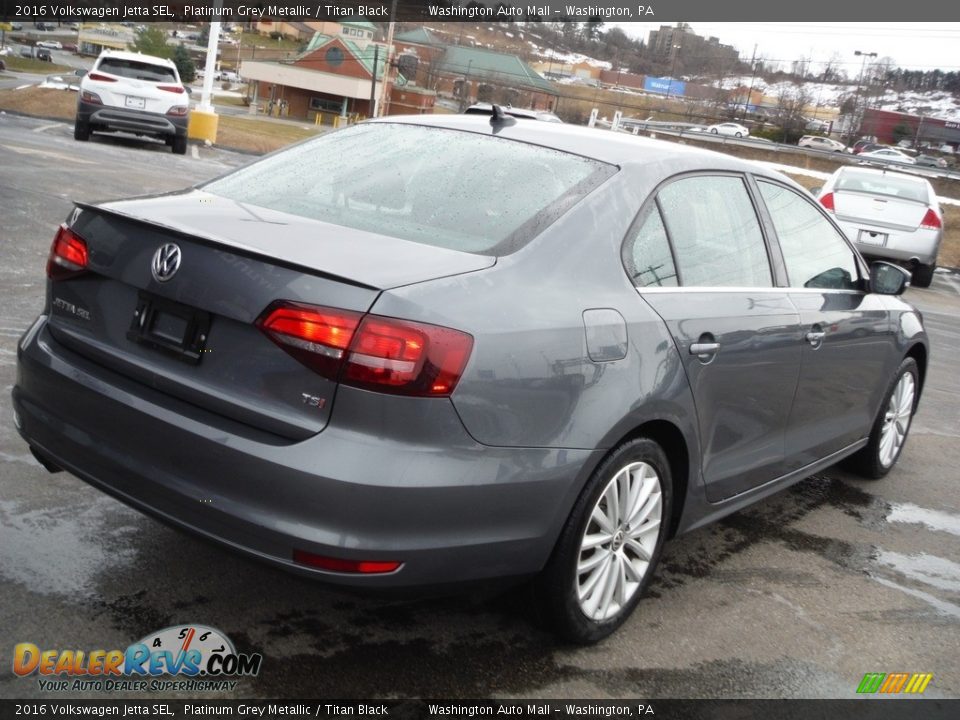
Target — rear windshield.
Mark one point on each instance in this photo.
(890, 185)
(452, 189)
(137, 70)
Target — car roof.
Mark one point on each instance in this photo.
(614, 148)
(127, 55)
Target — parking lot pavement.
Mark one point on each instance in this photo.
(798, 596)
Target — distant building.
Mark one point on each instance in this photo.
(94, 38)
(679, 45)
(889, 127)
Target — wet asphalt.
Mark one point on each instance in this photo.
(798, 596)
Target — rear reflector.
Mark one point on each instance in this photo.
(371, 352)
(827, 202)
(101, 78)
(931, 220)
(68, 255)
(362, 567)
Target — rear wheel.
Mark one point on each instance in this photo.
(610, 545)
(81, 130)
(180, 145)
(889, 432)
(922, 276)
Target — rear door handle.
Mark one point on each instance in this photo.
(704, 350)
(815, 337)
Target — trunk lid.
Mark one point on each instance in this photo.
(234, 262)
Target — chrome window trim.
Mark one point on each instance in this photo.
(755, 290)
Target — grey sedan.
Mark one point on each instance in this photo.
(443, 349)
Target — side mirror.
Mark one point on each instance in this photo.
(887, 278)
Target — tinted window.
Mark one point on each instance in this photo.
(715, 233)
(647, 253)
(816, 255)
(883, 184)
(441, 187)
(137, 70)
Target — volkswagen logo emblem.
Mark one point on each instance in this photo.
(166, 262)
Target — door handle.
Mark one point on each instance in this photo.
(815, 337)
(704, 350)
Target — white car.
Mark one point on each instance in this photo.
(732, 129)
(886, 155)
(132, 92)
(50, 44)
(816, 142)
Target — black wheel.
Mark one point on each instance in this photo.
(81, 130)
(180, 145)
(714, 131)
(922, 276)
(609, 546)
(739, 134)
(889, 432)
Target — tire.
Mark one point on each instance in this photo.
(892, 424)
(740, 135)
(81, 130)
(715, 131)
(583, 607)
(180, 145)
(922, 276)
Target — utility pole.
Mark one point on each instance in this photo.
(373, 82)
(753, 76)
(856, 97)
(385, 95)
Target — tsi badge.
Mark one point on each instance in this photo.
(183, 650)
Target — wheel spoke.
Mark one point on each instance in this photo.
(590, 590)
(638, 533)
(613, 572)
(638, 549)
(652, 504)
(591, 562)
(592, 541)
(601, 519)
(613, 503)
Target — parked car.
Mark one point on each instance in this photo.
(132, 92)
(429, 377)
(50, 44)
(886, 155)
(70, 47)
(865, 146)
(946, 148)
(816, 142)
(6, 50)
(888, 215)
(44, 55)
(523, 113)
(733, 129)
(930, 161)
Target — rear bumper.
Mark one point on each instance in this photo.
(921, 246)
(135, 121)
(451, 511)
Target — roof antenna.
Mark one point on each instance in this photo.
(499, 117)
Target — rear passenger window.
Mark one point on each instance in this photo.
(715, 233)
(647, 254)
(814, 252)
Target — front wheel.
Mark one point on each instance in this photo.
(889, 432)
(610, 545)
(739, 134)
(715, 131)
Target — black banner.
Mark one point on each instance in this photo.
(864, 709)
(665, 11)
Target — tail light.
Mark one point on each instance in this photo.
(68, 255)
(363, 567)
(172, 88)
(827, 201)
(90, 97)
(178, 110)
(368, 351)
(101, 78)
(931, 220)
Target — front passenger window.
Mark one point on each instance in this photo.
(815, 254)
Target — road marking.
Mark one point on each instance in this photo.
(48, 153)
(194, 153)
(44, 128)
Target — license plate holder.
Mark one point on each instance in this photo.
(171, 327)
(868, 237)
(136, 103)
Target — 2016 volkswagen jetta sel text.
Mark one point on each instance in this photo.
(435, 350)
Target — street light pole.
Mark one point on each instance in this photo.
(856, 97)
(673, 68)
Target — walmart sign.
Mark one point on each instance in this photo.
(666, 86)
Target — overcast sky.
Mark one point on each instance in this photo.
(918, 46)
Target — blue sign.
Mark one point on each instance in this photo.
(665, 86)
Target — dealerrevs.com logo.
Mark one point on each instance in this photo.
(201, 657)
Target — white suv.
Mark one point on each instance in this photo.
(134, 93)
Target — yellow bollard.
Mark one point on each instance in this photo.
(203, 125)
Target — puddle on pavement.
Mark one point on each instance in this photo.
(930, 570)
(933, 519)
